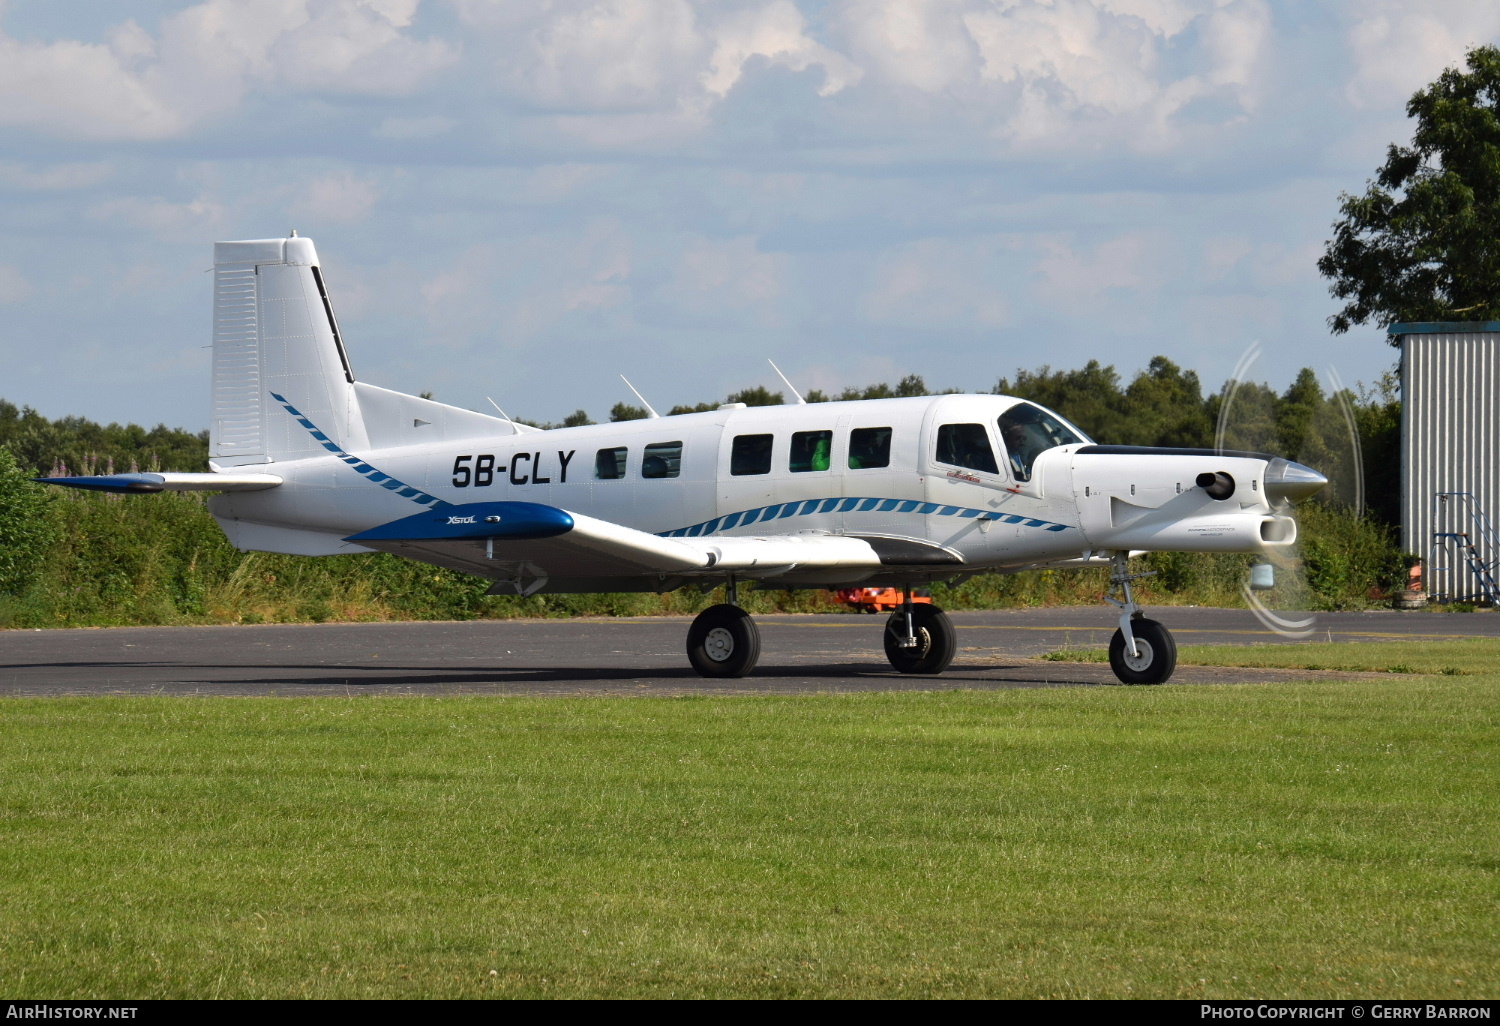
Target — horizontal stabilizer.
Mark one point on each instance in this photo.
(138, 484)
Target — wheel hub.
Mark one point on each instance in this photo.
(719, 645)
(1141, 661)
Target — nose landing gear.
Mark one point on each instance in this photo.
(1142, 651)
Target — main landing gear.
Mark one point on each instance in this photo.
(1142, 651)
(919, 638)
(724, 641)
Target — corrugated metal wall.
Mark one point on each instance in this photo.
(1450, 442)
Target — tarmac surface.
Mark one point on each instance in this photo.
(637, 656)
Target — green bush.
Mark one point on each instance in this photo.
(27, 527)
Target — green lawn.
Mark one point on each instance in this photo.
(1314, 839)
(1453, 657)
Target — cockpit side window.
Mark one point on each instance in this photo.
(967, 446)
(1027, 431)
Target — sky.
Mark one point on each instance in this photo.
(524, 199)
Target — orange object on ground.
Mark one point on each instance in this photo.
(877, 600)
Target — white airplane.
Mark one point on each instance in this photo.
(901, 492)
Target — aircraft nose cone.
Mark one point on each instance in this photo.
(1292, 482)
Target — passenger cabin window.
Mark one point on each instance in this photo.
(811, 450)
(750, 454)
(967, 446)
(869, 448)
(609, 464)
(662, 459)
(1027, 431)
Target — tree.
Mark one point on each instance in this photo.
(624, 411)
(1423, 242)
(1090, 398)
(757, 396)
(1166, 408)
(82, 446)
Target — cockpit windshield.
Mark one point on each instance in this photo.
(1028, 431)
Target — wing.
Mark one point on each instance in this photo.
(531, 547)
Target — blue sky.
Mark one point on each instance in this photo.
(524, 199)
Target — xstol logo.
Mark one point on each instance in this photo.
(460, 520)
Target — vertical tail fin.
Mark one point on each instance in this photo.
(275, 336)
(274, 332)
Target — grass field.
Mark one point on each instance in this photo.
(1312, 839)
(1452, 657)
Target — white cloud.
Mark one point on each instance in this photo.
(776, 32)
(77, 89)
(205, 59)
(618, 73)
(616, 54)
(1076, 74)
(921, 44)
(1399, 46)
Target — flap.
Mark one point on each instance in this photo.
(511, 540)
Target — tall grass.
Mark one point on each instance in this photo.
(107, 560)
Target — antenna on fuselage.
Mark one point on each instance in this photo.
(649, 411)
(790, 387)
(500, 411)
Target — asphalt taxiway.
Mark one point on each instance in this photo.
(635, 656)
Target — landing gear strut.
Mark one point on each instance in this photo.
(1142, 651)
(919, 638)
(724, 641)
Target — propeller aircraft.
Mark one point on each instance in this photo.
(307, 459)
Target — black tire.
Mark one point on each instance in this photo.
(723, 642)
(1156, 654)
(937, 642)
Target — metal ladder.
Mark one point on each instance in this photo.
(1465, 507)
